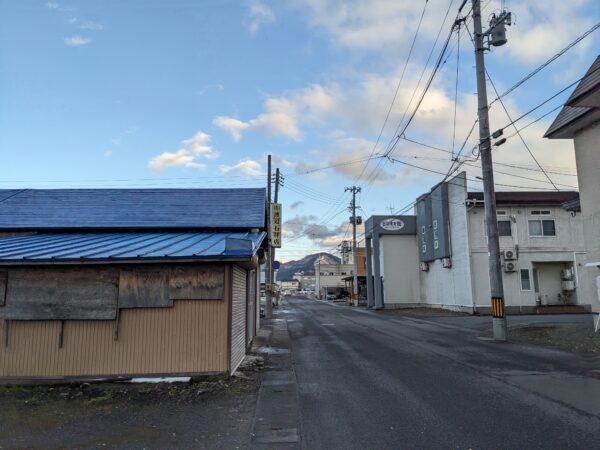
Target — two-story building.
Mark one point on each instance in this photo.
(329, 278)
(307, 281)
(541, 243)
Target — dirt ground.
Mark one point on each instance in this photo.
(208, 413)
(578, 338)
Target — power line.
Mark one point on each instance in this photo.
(515, 127)
(515, 166)
(548, 62)
(512, 122)
(394, 140)
(412, 45)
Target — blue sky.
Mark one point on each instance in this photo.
(196, 93)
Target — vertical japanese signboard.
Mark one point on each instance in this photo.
(276, 225)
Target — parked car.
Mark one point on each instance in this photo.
(330, 296)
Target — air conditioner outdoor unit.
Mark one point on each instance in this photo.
(424, 266)
(510, 267)
(446, 262)
(510, 255)
(568, 285)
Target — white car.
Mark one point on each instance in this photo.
(330, 297)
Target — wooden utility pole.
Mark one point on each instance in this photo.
(275, 200)
(489, 194)
(354, 190)
(269, 268)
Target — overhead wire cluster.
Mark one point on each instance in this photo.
(456, 156)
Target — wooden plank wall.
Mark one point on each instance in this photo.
(61, 293)
(191, 337)
(238, 317)
(3, 281)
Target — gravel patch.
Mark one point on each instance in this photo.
(574, 337)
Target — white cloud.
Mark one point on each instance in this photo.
(180, 158)
(259, 14)
(543, 28)
(247, 166)
(199, 146)
(77, 41)
(52, 5)
(370, 24)
(284, 115)
(232, 125)
(187, 156)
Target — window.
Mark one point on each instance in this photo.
(500, 212)
(540, 212)
(504, 228)
(321, 273)
(331, 273)
(539, 228)
(525, 280)
(343, 273)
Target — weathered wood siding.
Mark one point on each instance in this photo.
(238, 316)
(61, 293)
(190, 337)
(141, 287)
(3, 280)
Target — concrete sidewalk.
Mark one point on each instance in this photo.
(277, 419)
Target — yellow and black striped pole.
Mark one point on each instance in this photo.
(498, 307)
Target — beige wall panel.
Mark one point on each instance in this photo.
(191, 337)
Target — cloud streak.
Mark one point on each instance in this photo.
(77, 41)
(189, 155)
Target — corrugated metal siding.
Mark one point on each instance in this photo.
(191, 337)
(238, 316)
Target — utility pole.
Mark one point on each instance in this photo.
(354, 190)
(485, 150)
(269, 268)
(277, 181)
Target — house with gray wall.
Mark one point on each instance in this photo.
(579, 120)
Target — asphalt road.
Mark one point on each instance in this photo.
(367, 380)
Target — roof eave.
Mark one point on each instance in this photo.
(111, 261)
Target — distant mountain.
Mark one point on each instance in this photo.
(307, 265)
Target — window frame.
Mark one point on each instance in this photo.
(529, 279)
(541, 224)
(509, 227)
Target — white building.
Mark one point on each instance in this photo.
(329, 278)
(392, 258)
(307, 281)
(580, 120)
(541, 243)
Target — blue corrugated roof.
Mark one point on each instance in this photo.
(132, 209)
(115, 247)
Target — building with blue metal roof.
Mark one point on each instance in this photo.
(90, 277)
